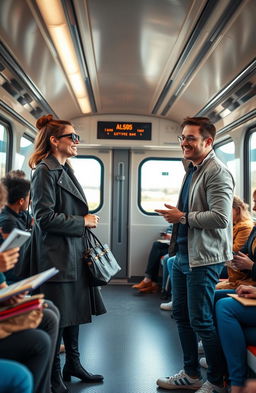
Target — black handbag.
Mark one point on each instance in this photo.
(100, 260)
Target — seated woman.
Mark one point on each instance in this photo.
(159, 248)
(242, 226)
(244, 260)
(237, 329)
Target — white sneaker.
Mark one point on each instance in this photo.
(166, 306)
(200, 347)
(208, 387)
(203, 363)
(180, 381)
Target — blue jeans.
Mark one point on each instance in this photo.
(193, 301)
(237, 329)
(14, 377)
(165, 271)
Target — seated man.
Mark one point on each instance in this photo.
(10, 216)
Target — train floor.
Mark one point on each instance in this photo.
(132, 345)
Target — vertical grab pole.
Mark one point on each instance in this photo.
(120, 178)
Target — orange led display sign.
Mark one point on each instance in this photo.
(124, 130)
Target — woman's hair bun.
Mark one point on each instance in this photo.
(43, 121)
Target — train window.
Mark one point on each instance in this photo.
(25, 150)
(250, 145)
(89, 172)
(4, 148)
(225, 151)
(159, 182)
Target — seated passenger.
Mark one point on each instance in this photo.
(168, 305)
(24, 215)
(10, 216)
(34, 348)
(165, 291)
(243, 260)
(237, 329)
(15, 378)
(159, 248)
(242, 226)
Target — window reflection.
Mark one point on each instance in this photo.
(159, 182)
(89, 172)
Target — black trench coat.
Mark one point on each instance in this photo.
(58, 206)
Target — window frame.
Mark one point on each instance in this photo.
(247, 185)
(222, 143)
(9, 149)
(79, 156)
(139, 180)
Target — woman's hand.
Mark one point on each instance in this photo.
(242, 261)
(91, 220)
(8, 259)
(246, 291)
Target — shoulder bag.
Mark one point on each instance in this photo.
(101, 262)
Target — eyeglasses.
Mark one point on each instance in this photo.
(189, 138)
(75, 137)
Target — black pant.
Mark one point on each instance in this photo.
(158, 250)
(46, 331)
(31, 347)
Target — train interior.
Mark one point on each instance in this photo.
(126, 74)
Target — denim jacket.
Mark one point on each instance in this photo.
(210, 214)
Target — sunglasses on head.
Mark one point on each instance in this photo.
(73, 136)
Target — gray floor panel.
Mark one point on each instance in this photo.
(132, 345)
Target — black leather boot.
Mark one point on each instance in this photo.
(73, 367)
(57, 383)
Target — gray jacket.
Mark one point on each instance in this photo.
(210, 214)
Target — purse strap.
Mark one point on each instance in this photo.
(91, 239)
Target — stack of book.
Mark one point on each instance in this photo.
(9, 309)
(25, 305)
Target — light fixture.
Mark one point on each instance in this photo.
(225, 113)
(54, 17)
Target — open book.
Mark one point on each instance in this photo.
(244, 300)
(29, 284)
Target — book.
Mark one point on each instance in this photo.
(243, 300)
(29, 303)
(28, 284)
(16, 238)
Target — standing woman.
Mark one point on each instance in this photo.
(61, 216)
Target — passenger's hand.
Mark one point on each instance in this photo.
(14, 299)
(172, 214)
(242, 261)
(8, 259)
(246, 291)
(91, 220)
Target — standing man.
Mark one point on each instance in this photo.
(202, 242)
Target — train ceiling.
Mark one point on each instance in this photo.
(164, 58)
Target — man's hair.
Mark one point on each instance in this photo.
(17, 188)
(206, 127)
(16, 173)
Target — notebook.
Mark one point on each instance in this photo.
(243, 300)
